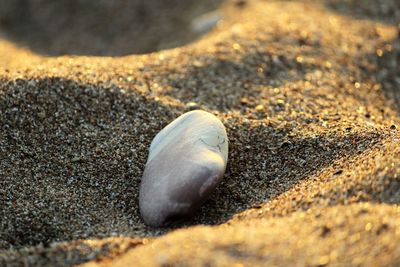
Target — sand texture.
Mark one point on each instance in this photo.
(309, 92)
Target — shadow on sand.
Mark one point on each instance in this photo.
(101, 28)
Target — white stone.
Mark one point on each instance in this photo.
(187, 159)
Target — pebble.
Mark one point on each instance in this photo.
(205, 22)
(192, 106)
(187, 160)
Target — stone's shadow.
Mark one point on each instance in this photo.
(102, 28)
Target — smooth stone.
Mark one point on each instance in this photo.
(205, 22)
(187, 160)
(191, 106)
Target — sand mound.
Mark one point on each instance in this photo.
(309, 95)
(117, 27)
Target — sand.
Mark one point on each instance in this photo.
(308, 92)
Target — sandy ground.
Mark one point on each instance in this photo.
(309, 93)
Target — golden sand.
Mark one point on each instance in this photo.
(309, 94)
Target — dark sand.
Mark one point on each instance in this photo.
(310, 95)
